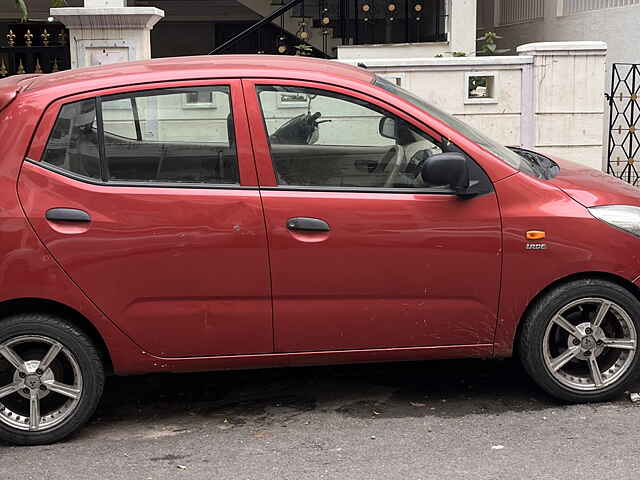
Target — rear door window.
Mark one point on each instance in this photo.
(158, 136)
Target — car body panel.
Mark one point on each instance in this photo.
(170, 266)
(395, 270)
(11, 86)
(592, 187)
(149, 363)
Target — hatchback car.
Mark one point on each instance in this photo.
(250, 211)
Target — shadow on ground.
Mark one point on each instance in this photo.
(447, 389)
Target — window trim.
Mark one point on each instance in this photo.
(245, 167)
(104, 172)
(135, 183)
(210, 186)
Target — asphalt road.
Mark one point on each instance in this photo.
(468, 419)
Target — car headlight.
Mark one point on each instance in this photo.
(624, 217)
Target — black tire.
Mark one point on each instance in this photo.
(536, 321)
(87, 358)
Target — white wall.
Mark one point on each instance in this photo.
(548, 99)
(618, 27)
(442, 82)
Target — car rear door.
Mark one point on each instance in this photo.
(147, 197)
(363, 256)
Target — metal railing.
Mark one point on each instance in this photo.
(519, 11)
(316, 27)
(570, 7)
(255, 27)
(623, 152)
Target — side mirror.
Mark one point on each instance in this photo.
(449, 168)
(387, 127)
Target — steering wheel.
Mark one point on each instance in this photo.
(397, 166)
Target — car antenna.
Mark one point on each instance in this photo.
(362, 65)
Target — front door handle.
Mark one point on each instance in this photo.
(67, 215)
(307, 224)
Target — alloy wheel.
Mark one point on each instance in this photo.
(589, 344)
(42, 384)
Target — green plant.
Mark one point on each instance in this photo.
(488, 46)
(21, 5)
(303, 49)
(458, 54)
(22, 8)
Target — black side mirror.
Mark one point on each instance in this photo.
(387, 127)
(449, 168)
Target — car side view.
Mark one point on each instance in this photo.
(235, 212)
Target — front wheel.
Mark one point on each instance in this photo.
(51, 379)
(579, 342)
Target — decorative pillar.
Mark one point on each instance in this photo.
(568, 99)
(107, 31)
(462, 26)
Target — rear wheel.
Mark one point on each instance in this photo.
(51, 379)
(579, 342)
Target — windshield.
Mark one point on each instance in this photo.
(500, 151)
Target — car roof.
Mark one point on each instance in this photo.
(205, 66)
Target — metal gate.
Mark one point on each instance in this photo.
(624, 114)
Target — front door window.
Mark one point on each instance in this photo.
(319, 138)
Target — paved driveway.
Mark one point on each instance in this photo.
(468, 419)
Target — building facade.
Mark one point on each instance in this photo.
(197, 27)
(614, 22)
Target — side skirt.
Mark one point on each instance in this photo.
(148, 363)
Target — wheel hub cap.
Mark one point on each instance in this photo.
(34, 381)
(588, 343)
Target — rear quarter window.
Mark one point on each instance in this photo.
(73, 143)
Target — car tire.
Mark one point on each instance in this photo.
(579, 340)
(42, 406)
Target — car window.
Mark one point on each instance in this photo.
(73, 143)
(505, 154)
(158, 136)
(323, 139)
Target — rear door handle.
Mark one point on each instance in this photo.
(307, 224)
(67, 215)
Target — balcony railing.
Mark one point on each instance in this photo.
(519, 11)
(316, 27)
(570, 7)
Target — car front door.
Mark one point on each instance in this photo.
(364, 254)
(148, 199)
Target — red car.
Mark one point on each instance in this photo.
(251, 211)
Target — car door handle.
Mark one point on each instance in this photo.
(67, 215)
(307, 224)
